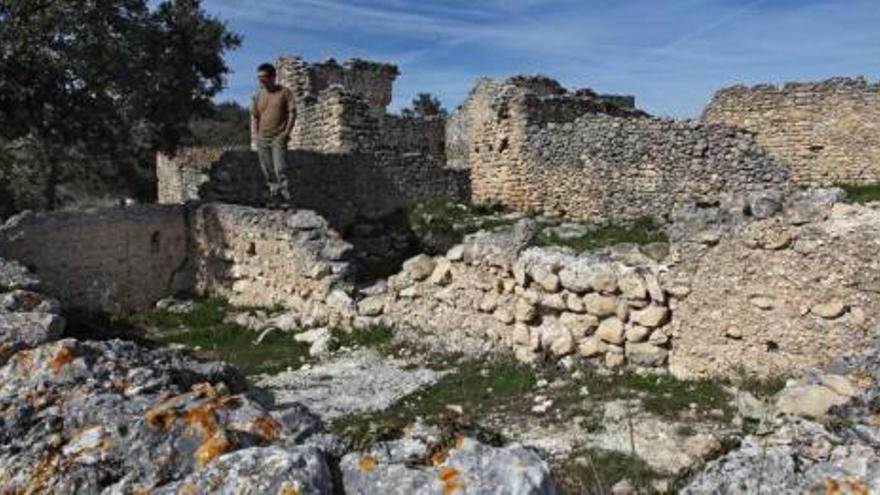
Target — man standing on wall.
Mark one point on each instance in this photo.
(273, 113)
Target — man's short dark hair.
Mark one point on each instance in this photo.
(267, 68)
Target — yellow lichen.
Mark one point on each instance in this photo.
(187, 489)
(202, 418)
(450, 478)
(61, 358)
(205, 389)
(213, 448)
(367, 463)
(161, 417)
(288, 489)
(266, 428)
(439, 457)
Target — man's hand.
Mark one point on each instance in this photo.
(253, 143)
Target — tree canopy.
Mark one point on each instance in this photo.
(424, 105)
(102, 83)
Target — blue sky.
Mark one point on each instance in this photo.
(671, 54)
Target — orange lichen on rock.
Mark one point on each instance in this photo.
(213, 448)
(862, 378)
(845, 487)
(206, 390)
(459, 441)
(439, 457)
(161, 417)
(203, 418)
(63, 357)
(288, 489)
(451, 480)
(266, 428)
(367, 463)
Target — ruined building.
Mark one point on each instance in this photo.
(532, 145)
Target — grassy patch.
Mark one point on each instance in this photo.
(441, 224)
(641, 231)
(475, 387)
(374, 336)
(863, 193)
(762, 387)
(204, 330)
(598, 470)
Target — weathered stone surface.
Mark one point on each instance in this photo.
(592, 347)
(632, 286)
(357, 383)
(812, 401)
(637, 333)
(467, 466)
(579, 325)
(419, 267)
(652, 316)
(611, 330)
(260, 470)
(546, 279)
(599, 305)
(829, 310)
(371, 306)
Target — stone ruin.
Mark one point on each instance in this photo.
(760, 278)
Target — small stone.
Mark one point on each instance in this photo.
(521, 334)
(611, 330)
(748, 406)
(592, 347)
(778, 242)
(553, 301)
(599, 305)
(604, 281)
(646, 354)
(419, 267)
(371, 306)
(659, 338)
(708, 238)
(624, 487)
(652, 316)
(840, 384)
(632, 286)
(504, 316)
(489, 302)
(524, 311)
(614, 360)
(637, 333)
(520, 275)
(733, 333)
(442, 274)
(574, 303)
(830, 310)
(546, 279)
(579, 324)
(563, 344)
(575, 280)
(762, 302)
(678, 291)
(456, 253)
(658, 295)
(657, 251)
(812, 401)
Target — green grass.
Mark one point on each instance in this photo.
(204, 330)
(863, 193)
(450, 222)
(762, 387)
(475, 387)
(374, 336)
(641, 231)
(602, 469)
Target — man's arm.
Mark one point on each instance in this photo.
(291, 114)
(255, 122)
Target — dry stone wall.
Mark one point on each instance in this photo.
(111, 260)
(533, 146)
(340, 186)
(828, 132)
(255, 257)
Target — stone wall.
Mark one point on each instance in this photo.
(338, 186)
(113, 260)
(424, 135)
(533, 146)
(255, 257)
(828, 132)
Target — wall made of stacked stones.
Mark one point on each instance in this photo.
(257, 257)
(608, 167)
(339, 186)
(582, 156)
(113, 260)
(827, 131)
(425, 135)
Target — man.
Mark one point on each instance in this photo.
(273, 113)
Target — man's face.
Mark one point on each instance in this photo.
(266, 79)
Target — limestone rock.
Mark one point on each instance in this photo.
(632, 286)
(812, 401)
(442, 274)
(574, 303)
(524, 311)
(614, 360)
(599, 305)
(652, 316)
(637, 333)
(546, 279)
(419, 267)
(829, 310)
(592, 347)
(579, 324)
(372, 306)
(604, 281)
(646, 354)
(480, 468)
(611, 331)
